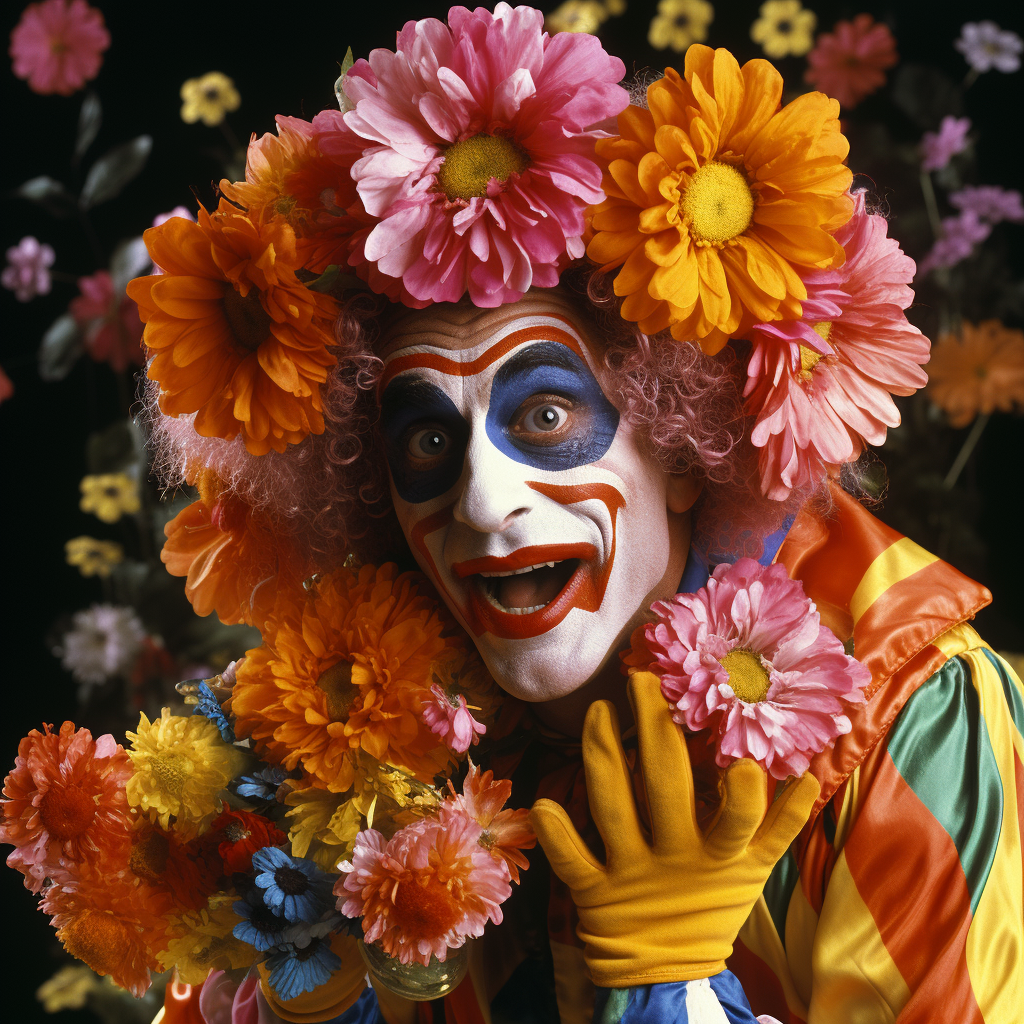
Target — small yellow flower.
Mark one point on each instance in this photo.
(181, 766)
(93, 557)
(202, 941)
(577, 16)
(615, 7)
(109, 496)
(208, 99)
(679, 23)
(325, 825)
(68, 989)
(784, 29)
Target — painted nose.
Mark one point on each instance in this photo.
(494, 491)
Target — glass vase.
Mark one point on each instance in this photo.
(416, 981)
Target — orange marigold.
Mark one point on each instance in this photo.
(238, 339)
(227, 553)
(286, 175)
(979, 372)
(718, 199)
(344, 667)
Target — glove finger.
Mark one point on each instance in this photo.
(785, 818)
(610, 785)
(665, 761)
(569, 857)
(744, 802)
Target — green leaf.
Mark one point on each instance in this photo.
(339, 86)
(50, 194)
(130, 260)
(89, 120)
(926, 95)
(114, 170)
(60, 348)
(116, 449)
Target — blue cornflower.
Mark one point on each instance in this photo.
(292, 886)
(262, 784)
(209, 707)
(260, 926)
(294, 971)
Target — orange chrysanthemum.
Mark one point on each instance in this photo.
(718, 199)
(181, 871)
(286, 175)
(345, 667)
(227, 552)
(980, 372)
(238, 339)
(112, 925)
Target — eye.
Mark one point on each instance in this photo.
(426, 445)
(544, 418)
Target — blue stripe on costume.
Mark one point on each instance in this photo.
(698, 569)
(363, 1011)
(676, 1003)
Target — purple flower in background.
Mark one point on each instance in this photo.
(986, 46)
(938, 148)
(178, 211)
(959, 237)
(27, 272)
(990, 203)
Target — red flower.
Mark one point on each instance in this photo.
(849, 62)
(238, 835)
(113, 330)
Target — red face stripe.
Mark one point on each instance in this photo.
(536, 555)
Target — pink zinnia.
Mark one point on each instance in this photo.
(426, 890)
(849, 62)
(821, 386)
(989, 203)
(938, 148)
(113, 330)
(449, 718)
(747, 657)
(65, 805)
(478, 158)
(58, 46)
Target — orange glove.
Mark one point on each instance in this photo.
(668, 907)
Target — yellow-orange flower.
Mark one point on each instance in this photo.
(238, 339)
(343, 668)
(718, 199)
(202, 941)
(93, 557)
(980, 372)
(229, 555)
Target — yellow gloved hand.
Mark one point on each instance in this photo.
(666, 908)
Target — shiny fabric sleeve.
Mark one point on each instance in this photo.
(921, 919)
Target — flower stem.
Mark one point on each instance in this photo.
(970, 78)
(965, 452)
(930, 203)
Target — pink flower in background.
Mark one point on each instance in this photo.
(448, 717)
(849, 62)
(178, 211)
(58, 45)
(113, 330)
(747, 657)
(957, 241)
(821, 386)
(477, 158)
(938, 148)
(6, 386)
(989, 203)
(986, 46)
(27, 273)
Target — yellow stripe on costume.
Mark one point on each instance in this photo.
(801, 925)
(759, 935)
(574, 991)
(895, 563)
(995, 941)
(855, 979)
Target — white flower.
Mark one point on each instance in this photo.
(986, 46)
(103, 642)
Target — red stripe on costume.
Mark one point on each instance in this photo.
(462, 1006)
(762, 987)
(908, 872)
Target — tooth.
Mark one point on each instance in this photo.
(519, 572)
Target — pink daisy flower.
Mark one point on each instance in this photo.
(113, 330)
(821, 386)
(477, 157)
(747, 657)
(849, 62)
(58, 45)
(938, 148)
(449, 718)
(426, 890)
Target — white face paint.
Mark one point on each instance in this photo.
(523, 494)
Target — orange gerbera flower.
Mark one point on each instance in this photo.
(979, 372)
(238, 339)
(345, 667)
(718, 199)
(227, 552)
(287, 175)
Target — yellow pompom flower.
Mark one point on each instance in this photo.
(679, 23)
(181, 766)
(785, 28)
(93, 557)
(324, 825)
(109, 496)
(577, 16)
(202, 941)
(208, 99)
(68, 989)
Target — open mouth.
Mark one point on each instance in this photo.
(522, 591)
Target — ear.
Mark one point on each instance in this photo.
(683, 491)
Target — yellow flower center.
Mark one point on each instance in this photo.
(809, 358)
(469, 165)
(718, 203)
(97, 939)
(748, 677)
(172, 771)
(341, 692)
(248, 320)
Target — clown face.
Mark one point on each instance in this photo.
(523, 493)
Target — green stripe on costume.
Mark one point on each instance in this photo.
(1010, 690)
(940, 746)
(778, 891)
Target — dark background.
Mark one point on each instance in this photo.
(284, 59)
